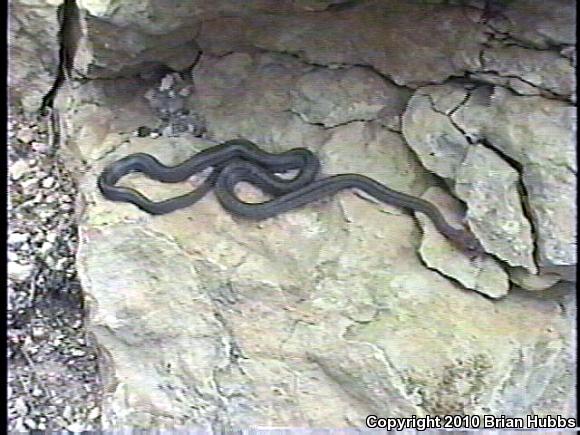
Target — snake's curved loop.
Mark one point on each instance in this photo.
(241, 160)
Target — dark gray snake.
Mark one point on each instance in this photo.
(241, 160)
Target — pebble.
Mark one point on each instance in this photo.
(94, 414)
(27, 185)
(78, 352)
(19, 272)
(17, 238)
(76, 427)
(18, 169)
(48, 182)
(185, 92)
(30, 424)
(25, 135)
(40, 147)
(166, 82)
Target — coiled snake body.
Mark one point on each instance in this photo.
(240, 160)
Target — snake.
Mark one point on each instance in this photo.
(240, 160)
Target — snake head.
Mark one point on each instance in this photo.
(468, 243)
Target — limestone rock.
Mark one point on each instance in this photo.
(482, 273)
(538, 134)
(542, 24)
(33, 60)
(429, 131)
(490, 188)
(258, 87)
(544, 69)
(333, 97)
(448, 33)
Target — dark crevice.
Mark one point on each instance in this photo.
(516, 166)
(548, 94)
(67, 12)
(324, 126)
(337, 65)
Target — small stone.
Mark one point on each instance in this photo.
(76, 427)
(36, 392)
(19, 272)
(185, 92)
(166, 83)
(28, 185)
(20, 406)
(46, 247)
(38, 331)
(30, 424)
(94, 414)
(25, 135)
(19, 169)
(40, 147)
(48, 182)
(77, 352)
(67, 412)
(17, 238)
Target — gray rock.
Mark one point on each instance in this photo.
(490, 188)
(542, 24)
(533, 282)
(257, 86)
(482, 273)
(19, 169)
(18, 271)
(544, 69)
(332, 97)
(25, 135)
(48, 182)
(17, 238)
(324, 38)
(429, 131)
(33, 60)
(538, 134)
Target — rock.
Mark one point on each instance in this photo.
(33, 60)
(25, 135)
(47, 182)
(17, 238)
(490, 188)
(333, 97)
(482, 274)
(18, 271)
(544, 69)
(430, 132)
(533, 282)
(264, 98)
(542, 24)
(322, 38)
(19, 169)
(333, 296)
(539, 135)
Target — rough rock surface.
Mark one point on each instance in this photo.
(544, 69)
(485, 178)
(211, 321)
(33, 51)
(537, 135)
(481, 273)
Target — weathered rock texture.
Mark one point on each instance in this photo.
(347, 307)
(33, 49)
